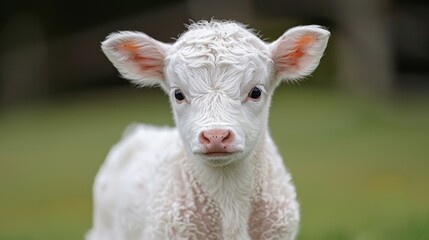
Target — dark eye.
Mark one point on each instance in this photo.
(179, 95)
(255, 93)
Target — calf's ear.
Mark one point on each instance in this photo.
(297, 52)
(137, 57)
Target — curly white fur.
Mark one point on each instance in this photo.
(157, 183)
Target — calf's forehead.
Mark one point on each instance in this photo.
(222, 34)
(218, 57)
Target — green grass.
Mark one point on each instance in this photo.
(361, 168)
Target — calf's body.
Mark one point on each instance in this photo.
(149, 188)
(217, 175)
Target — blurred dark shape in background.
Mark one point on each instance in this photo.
(378, 48)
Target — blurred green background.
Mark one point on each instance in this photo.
(355, 135)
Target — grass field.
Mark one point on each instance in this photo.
(361, 168)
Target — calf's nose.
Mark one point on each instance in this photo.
(216, 140)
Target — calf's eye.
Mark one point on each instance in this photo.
(179, 95)
(255, 93)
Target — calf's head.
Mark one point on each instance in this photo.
(219, 77)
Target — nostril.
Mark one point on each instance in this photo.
(227, 137)
(203, 138)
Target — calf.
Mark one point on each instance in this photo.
(218, 174)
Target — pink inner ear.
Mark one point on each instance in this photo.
(145, 64)
(292, 58)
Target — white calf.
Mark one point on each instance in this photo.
(218, 174)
